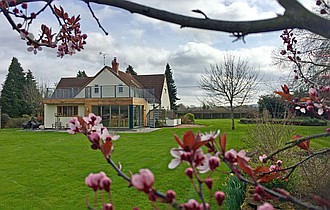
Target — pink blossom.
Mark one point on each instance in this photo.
(176, 153)
(242, 154)
(106, 136)
(93, 119)
(219, 197)
(170, 196)
(143, 181)
(74, 125)
(261, 158)
(105, 183)
(266, 206)
(279, 163)
(191, 205)
(93, 180)
(272, 168)
(203, 163)
(210, 136)
(94, 138)
(214, 162)
(312, 93)
(231, 155)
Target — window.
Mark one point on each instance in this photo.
(96, 89)
(120, 88)
(67, 111)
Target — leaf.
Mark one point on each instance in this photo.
(303, 145)
(244, 165)
(188, 139)
(58, 12)
(106, 148)
(262, 177)
(223, 142)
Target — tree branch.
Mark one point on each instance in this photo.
(296, 142)
(295, 16)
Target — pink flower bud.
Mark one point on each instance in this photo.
(143, 181)
(260, 190)
(170, 196)
(256, 197)
(214, 162)
(266, 206)
(327, 130)
(261, 158)
(105, 183)
(209, 183)
(189, 172)
(231, 155)
(108, 206)
(279, 163)
(152, 197)
(219, 197)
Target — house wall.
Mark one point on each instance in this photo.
(108, 85)
(165, 98)
(50, 118)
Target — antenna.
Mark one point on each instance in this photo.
(103, 54)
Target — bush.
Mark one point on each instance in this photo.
(16, 122)
(268, 135)
(188, 118)
(4, 120)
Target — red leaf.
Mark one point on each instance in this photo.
(244, 165)
(188, 140)
(106, 148)
(177, 139)
(223, 142)
(303, 145)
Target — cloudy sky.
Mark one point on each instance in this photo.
(148, 44)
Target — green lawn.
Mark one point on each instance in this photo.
(46, 170)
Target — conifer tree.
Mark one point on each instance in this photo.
(171, 87)
(32, 95)
(12, 94)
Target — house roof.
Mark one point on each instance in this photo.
(73, 82)
(152, 81)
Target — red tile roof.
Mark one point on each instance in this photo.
(73, 82)
(152, 81)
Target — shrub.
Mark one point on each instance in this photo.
(4, 120)
(268, 135)
(188, 118)
(16, 122)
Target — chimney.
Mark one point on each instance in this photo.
(115, 65)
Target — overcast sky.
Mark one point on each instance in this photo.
(148, 44)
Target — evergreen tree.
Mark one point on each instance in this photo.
(32, 95)
(130, 70)
(12, 94)
(81, 74)
(171, 87)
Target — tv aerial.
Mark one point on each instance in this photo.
(104, 55)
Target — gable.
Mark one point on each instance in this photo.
(154, 82)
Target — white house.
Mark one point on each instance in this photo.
(121, 99)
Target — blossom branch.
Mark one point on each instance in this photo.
(128, 179)
(282, 196)
(293, 167)
(296, 142)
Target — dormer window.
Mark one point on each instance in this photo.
(96, 89)
(120, 88)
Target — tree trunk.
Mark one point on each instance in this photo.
(232, 119)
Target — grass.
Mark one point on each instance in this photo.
(46, 170)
